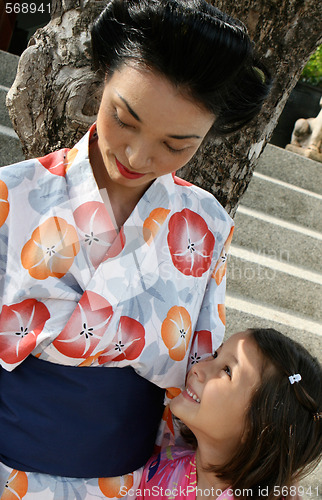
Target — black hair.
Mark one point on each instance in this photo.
(204, 52)
(282, 440)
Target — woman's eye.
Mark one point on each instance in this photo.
(228, 371)
(118, 121)
(172, 150)
(215, 354)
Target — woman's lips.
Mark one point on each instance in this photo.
(127, 173)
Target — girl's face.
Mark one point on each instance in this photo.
(146, 128)
(218, 392)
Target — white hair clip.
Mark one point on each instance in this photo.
(295, 378)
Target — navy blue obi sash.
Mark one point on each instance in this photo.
(77, 421)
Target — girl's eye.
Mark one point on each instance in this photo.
(228, 371)
(215, 354)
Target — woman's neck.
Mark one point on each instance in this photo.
(121, 199)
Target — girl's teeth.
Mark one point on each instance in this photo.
(193, 396)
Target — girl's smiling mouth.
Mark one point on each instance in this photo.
(191, 395)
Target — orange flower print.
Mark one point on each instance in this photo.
(4, 203)
(222, 313)
(167, 417)
(191, 243)
(176, 332)
(51, 249)
(221, 266)
(115, 487)
(86, 327)
(16, 486)
(20, 325)
(70, 157)
(153, 223)
(172, 392)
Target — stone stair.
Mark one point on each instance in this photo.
(10, 148)
(274, 276)
(275, 265)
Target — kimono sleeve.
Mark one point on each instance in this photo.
(210, 328)
(4, 211)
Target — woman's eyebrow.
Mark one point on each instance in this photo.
(192, 136)
(130, 110)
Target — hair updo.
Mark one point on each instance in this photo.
(199, 49)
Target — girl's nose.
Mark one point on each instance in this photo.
(198, 370)
(204, 369)
(138, 156)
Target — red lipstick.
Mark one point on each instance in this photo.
(127, 173)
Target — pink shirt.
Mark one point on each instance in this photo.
(172, 474)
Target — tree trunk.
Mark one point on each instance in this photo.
(55, 96)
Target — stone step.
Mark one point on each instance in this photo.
(275, 238)
(4, 115)
(8, 68)
(10, 147)
(242, 314)
(275, 284)
(284, 201)
(290, 167)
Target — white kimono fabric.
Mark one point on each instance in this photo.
(75, 291)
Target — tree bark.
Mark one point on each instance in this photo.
(55, 96)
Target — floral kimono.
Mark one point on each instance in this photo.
(76, 292)
(172, 474)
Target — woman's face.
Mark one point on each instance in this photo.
(219, 390)
(146, 128)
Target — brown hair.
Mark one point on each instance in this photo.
(283, 431)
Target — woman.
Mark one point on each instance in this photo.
(110, 261)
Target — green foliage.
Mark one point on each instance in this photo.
(312, 73)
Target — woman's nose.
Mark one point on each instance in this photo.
(139, 156)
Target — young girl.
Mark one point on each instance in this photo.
(254, 412)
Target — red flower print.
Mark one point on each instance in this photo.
(55, 162)
(201, 346)
(20, 325)
(51, 249)
(86, 326)
(221, 266)
(115, 487)
(176, 332)
(180, 182)
(16, 486)
(128, 342)
(98, 232)
(4, 203)
(191, 243)
(153, 223)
